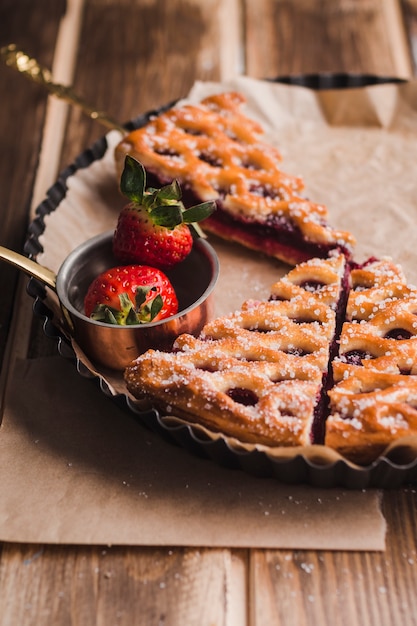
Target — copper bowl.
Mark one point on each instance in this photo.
(116, 346)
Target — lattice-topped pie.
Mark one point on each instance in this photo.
(331, 357)
(375, 398)
(259, 374)
(217, 153)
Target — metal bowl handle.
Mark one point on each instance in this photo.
(45, 275)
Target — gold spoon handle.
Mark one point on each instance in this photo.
(45, 275)
(29, 67)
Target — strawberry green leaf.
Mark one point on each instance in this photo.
(198, 212)
(132, 318)
(151, 309)
(147, 311)
(169, 192)
(133, 180)
(168, 215)
(125, 302)
(156, 306)
(103, 313)
(140, 298)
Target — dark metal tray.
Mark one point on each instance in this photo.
(383, 473)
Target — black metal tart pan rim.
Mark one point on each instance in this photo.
(383, 473)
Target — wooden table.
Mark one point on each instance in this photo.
(128, 56)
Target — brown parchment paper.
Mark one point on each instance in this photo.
(76, 469)
(356, 150)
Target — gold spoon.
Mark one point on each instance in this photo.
(31, 69)
(28, 266)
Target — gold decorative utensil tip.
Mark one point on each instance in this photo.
(29, 67)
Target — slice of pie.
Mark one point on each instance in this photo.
(375, 399)
(260, 374)
(217, 153)
(331, 357)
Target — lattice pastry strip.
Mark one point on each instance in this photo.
(256, 374)
(388, 340)
(207, 148)
(207, 145)
(217, 153)
(240, 400)
(369, 411)
(228, 352)
(374, 285)
(278, 326)
(374, 399)
(322, 281)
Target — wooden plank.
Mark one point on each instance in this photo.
(144, 69)
(33, 29)
(64, 585)
(410, 22)
(309, 588)
(395, 37)
(57, 110)
(76, 585)
(310, 36)
(21, 341)
(153, 63)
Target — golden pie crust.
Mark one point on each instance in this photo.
(278, 372)
(256, 374)
(331, 357)
(217, 153)
(374, 400)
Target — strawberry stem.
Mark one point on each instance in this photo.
(129, 314)
(198, 212)
(164, 205)
(167, 215)
(133, 180)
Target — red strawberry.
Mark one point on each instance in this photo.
(138, 239)
(152, 228)
(130, 294)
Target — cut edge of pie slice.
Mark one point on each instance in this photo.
(217, 153)
(374, 400)
(280, 373)
(260, 374)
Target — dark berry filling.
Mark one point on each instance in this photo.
(320, 414)
(274, 298)
(355, 357)
(280, 222)
(257, 329)
(250, 164)
(312, 285)
(305, 320)
(265, 191)
(211, 159)
(398, 333)
(359, 266)
(278, 236)
(247, 397)
(372, 259)
(360, 287)
(340, 317)
(167, 152)
(193, 131)
(296, 351)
